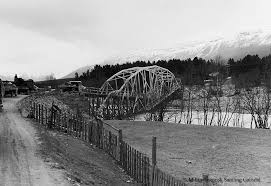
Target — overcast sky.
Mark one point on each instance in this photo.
(39, 37)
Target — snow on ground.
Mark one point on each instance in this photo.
(228, 119)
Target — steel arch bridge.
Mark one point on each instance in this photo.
(139, 88)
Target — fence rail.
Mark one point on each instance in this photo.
(135, 163)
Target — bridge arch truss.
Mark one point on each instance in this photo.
(140, 88)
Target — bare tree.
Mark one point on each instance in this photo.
(206, 103)
(181, 108)
(257, 103)
(189, 106)
(226, 107)
(239, 111)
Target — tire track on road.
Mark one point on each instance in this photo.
(19, 162)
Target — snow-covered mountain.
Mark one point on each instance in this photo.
(79, 71)
(6, 78)
(236, 47)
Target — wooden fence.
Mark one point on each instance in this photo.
(136, 164)
(162, 179)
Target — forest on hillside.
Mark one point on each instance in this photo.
(248, 71)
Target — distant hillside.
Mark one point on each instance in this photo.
(236, 47)
(79, 71)
(8, 78)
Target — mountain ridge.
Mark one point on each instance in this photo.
(236, 47)
(79, 71)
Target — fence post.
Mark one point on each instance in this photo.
(205, 179)
(50, 124)
(46, 117)
(110, 143)
(154, 151)
(153, 158)
(120, 147)
(101, 134)
(35, 111)
(58, 115)
(42, 114)
(65, 123)
(31, 110)
(75, 126)
(89, 107)
(69, 124)
(89, 131)
(60, 121)
(148, 171)
(39, 115)
(98, 133)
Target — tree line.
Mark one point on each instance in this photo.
(251, 76)
(191, 71)
(248, 71)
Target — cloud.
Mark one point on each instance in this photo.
(43, 37)
(63, 19)
(24, 51)
(114, 26)
(60, 35)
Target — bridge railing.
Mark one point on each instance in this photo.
(95, 90)
(92, 90)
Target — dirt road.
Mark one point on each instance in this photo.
(20, 163)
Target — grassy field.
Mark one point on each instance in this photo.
(190, 150)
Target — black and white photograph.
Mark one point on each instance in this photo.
(135, 92)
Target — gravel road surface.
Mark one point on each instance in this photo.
(20, 163)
